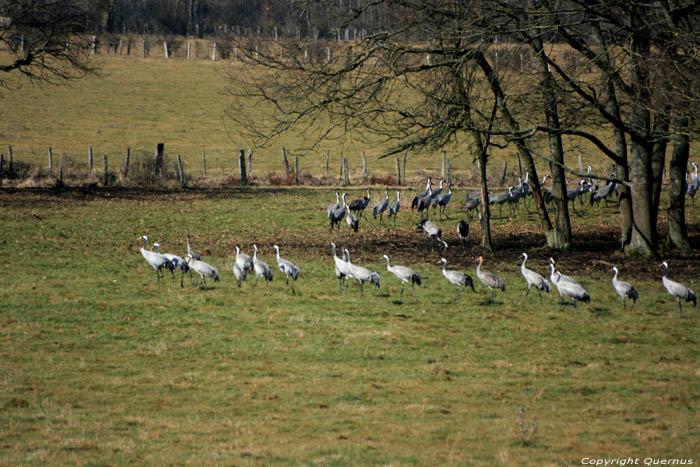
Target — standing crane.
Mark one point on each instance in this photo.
(470, 204)
(261, 268)
(694, 182)
(336, 215)
(288, 268)
(404, 274)
(203, 269)
(335, 205)
(190, 251)
(569, 288)
(678, 291)
(358, 205)
(534, 279)
(244, 264)
(422, 194)
(432, 231)
(381, 206)
(463, 233)
(562, 277)
(441, 200)
(500, 199)
(395, 206)
(624, 289)
(361, 275)
(490, 280)
(353, 221)
(342, 269)
(177, 262)
(155, 259)
(458, 278)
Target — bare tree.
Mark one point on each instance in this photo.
(45, 40)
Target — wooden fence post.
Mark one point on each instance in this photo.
(398, 171)
(60, 170)
(126, 162)
(204, 162)
(165, 48)
(143, 48)
(346, 172)
(285, 162)
(250, 162)
(328, 157)
(160, 147)
(213, 54)
(364, 165)
(90, 161)
(9, 154)
(241, 165)
(94, 44)
(120, 47)
(189, 45)
(449, 171)
(403, 171)
(580, 163)
(444, 164)
(105, 172)
(180, 171)
(50, 161)
(296, 170)
(503, 176)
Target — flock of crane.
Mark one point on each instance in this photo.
(346, 270)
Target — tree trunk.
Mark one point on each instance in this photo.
(677, 232)
(560, 236)
(484, 209)
(658, 159)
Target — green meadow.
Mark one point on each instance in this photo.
(101, 364)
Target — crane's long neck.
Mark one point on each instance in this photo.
(524, 261)
(255, 253)
(614, 275)
(333, 249)
(388, 268)
(278, 253)
(144, 242)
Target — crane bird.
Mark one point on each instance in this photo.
(562, 277)
(358, 205)
(335, 205)
(244, 265)
(534, 279)
(434, 193)
(458, 278)
(490, 280)
(177, 262)
(432, 231)
(288, 268)
(380, 207)
(500, 199)
(342, 269)
(395, 206)
(261, 268)
(679, 291)
(336, 215)
(624, 289)
(422, 194)
(471, 204)
(569, 288)
(404, 274)
(155, 259)
(203, 269)
(361, 275)
(353, 221)
(440, 201)
(463, 232)
(694, 183)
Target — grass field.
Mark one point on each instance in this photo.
(102, 365)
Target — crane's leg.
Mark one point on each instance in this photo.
(680, 306)
(528, 291)
(540, 294)
(402, 285)
(624, 303)
(362, 293)
(182, 279)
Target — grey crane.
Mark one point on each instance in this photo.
(342, 269)
(155, 259)
(422, 194)
(177, 262)
(490, 280)
(244, 264)
(289, 269)
(463, 233)
(261, 268)
(203, 269)
(562, 277)
(500, 199)
(694, 182)
(422, 204)
(380, 207)
(353, 221)
(441, 200)
(395, 206)
(534, 279)
(678, 291)
(358, 205)
(568, 288)
(471, 204)
(336, 215)
(361, 275)
(434, 193)
(458, 278)
(335, 205)
(602, 193)
(624, 289)
(572, 194)
(404, 274)
(432, 231)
